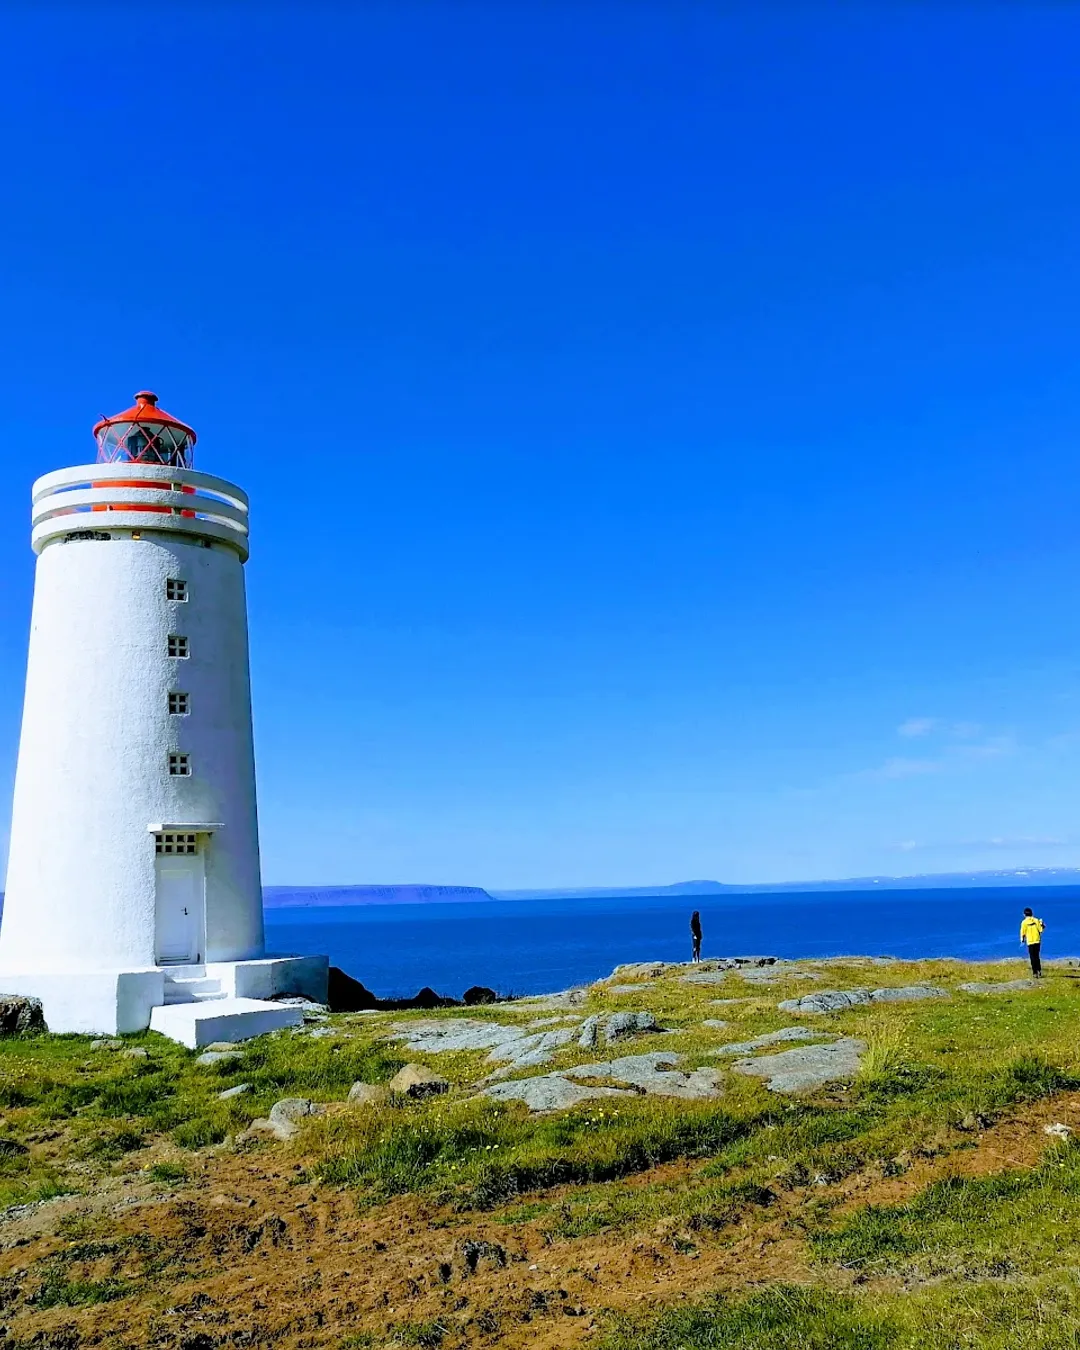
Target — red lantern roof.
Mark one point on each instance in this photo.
(146, 411)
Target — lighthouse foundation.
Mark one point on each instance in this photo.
(195, 1005)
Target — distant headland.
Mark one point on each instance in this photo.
(316, 897)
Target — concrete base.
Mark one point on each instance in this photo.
(112, 1002)
(222, 1019)
(102, 1003)
(304, 976)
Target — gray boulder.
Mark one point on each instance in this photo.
(826, 1001)
(20, 1016)
(209, 1058)
(808, 1067)
(654, 1074)
(716, 1023)
(770, 1038)
(548, 1092)
(292, 1109)
(134, 1052)
(1004, 987)
(911, 993)
(282, 1122)
(621, 1025)
(589, 1032)
(416, 1081)
(238, 1091)
(106, 1043)
(368, 1094)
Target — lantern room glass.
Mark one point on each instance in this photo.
(145, 443)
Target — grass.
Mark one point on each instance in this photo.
(1011, 1221)
(1041, 1315)
(481, 1154)
(985, 1259)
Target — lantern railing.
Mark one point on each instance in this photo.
(129, 497)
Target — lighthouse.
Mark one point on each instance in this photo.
(133, 894)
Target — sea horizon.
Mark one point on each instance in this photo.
(538, 946)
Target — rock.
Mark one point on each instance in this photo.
(590, 1032)
(416, 1081)
(1057, 1131)
(237, 1091)
(292, 1109)
(344, 994)
(565, 998)
(911, 993)
(770, 1038)
(135, 1052)
(428, 998)
(211, 1057)
(228, 1047)
(622, 1025)
(808, 1067)
(623, 988)
(320, 1033)
(368, 1094)
(457, 1034)
(972, 1121)
(479, 994)
(106, 1044)
(532, 1051)
(634, 970)
(512, 1045)
(548, 1092)
(707, 976)
(725, 1002)
(551, 1021)
(277, 1129)
(715, 1022)
(1004, 987)
(20, 1016)
(656, 1075)
(826, 1001)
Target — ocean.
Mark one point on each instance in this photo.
(536, 946)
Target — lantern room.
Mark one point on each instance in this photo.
(145, 434)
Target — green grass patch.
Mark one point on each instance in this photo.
(483, 1154)
(1000, 1224)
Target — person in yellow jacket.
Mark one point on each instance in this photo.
(1031, 931)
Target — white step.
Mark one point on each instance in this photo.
(221, 1019)
(188, 989)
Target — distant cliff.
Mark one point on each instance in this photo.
(319, 897)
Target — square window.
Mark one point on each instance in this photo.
(179, 704)
(178, 646)
(175, 843)
(179, 766)
(175, 589)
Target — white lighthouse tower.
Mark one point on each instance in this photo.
(133, 893)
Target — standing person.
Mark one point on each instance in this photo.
(1031, 931)
(695, 933)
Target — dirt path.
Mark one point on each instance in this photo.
(245, 1255)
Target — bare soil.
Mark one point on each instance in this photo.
(247, 1253)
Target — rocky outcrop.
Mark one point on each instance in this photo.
(808, 1067)
(20, 1016)
(770, 1038)
(836, 1000)
(1003, 987)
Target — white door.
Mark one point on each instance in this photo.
(179, 919)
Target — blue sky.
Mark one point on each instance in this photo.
(661, 420)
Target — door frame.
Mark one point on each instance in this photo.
(197, 926)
